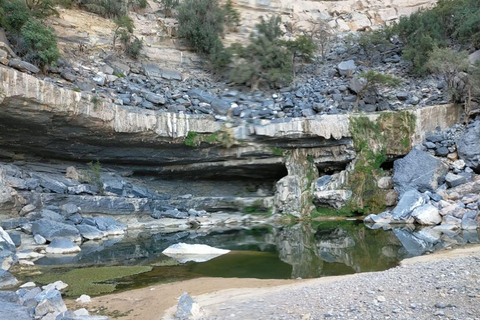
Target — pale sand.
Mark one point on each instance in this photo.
(155, 302)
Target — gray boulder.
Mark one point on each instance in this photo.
(14, 223)
(454, 180)
(357, 84)
(50, 183)
(62, 246)
(107, 225)
(468, 146)
(418, 171)
(170, 213)
(427, 215)
(90, 232)
(155, 98)
(49, 301)
(408, 202)
(346, 68)
(50, 229)
(23, 66)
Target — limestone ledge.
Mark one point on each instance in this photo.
(24, 95)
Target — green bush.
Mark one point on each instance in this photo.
(200, 22)
(41, 43)
(268, 59)
(168, 6)
(231, 15)
(423, 31)
(134, 48)
(15, 14)
(42, 8)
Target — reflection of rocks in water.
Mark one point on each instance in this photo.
(416, 242)
(296, 246)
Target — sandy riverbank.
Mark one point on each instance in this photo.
(213, 294)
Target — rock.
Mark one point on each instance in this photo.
(53, 229)
(14, 223)
(459, 165)
(442, 152)
(83, 299)
(49, 301)
(11, 308)
(357, 84)
(99, 79)
(7, 251)
(90, 232)
(68, 76)
(107, 225)
(332, 198)
(474, 57)
(23, 66)
(27, 209)
(427, 215)
(16, 238)
(385, 183)
(346, 68)
(69, 209)
(106, 69)
(468, 146)
(382, 218)
(73, 174)
(391, 198)
(39, 239)
(402, 95)
(187, 308)
(220, 107)
(183, 252)
(57, 285)
(171, 213)
(7, 280)
(322, 182)
(454, 180)
(62, 246)
(418, 171)
(28, 285)
(408, 202)
(155, 98)
(50, 183)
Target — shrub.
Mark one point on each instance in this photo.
(231, 16)
(425, 30)
(15, 14)
(124, 31)
(200, 22)
(134, 48)
(42, 8)
(168, 6)
(41, 43)
(373, 81)
(449, 63)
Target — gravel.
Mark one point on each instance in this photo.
(448, 289)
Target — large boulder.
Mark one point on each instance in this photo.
(50, 229)
(408, 202)
(23, 66)
(49, 301)
(427, 215)
(468, 146)
(346, 68)
(418, 171)
(10, 307)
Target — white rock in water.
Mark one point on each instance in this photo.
(84, 299)
(184, 252)
(28, 285)
(57, 285)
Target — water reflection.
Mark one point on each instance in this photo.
(303, 250)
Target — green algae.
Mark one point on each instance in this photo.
(92, 281)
